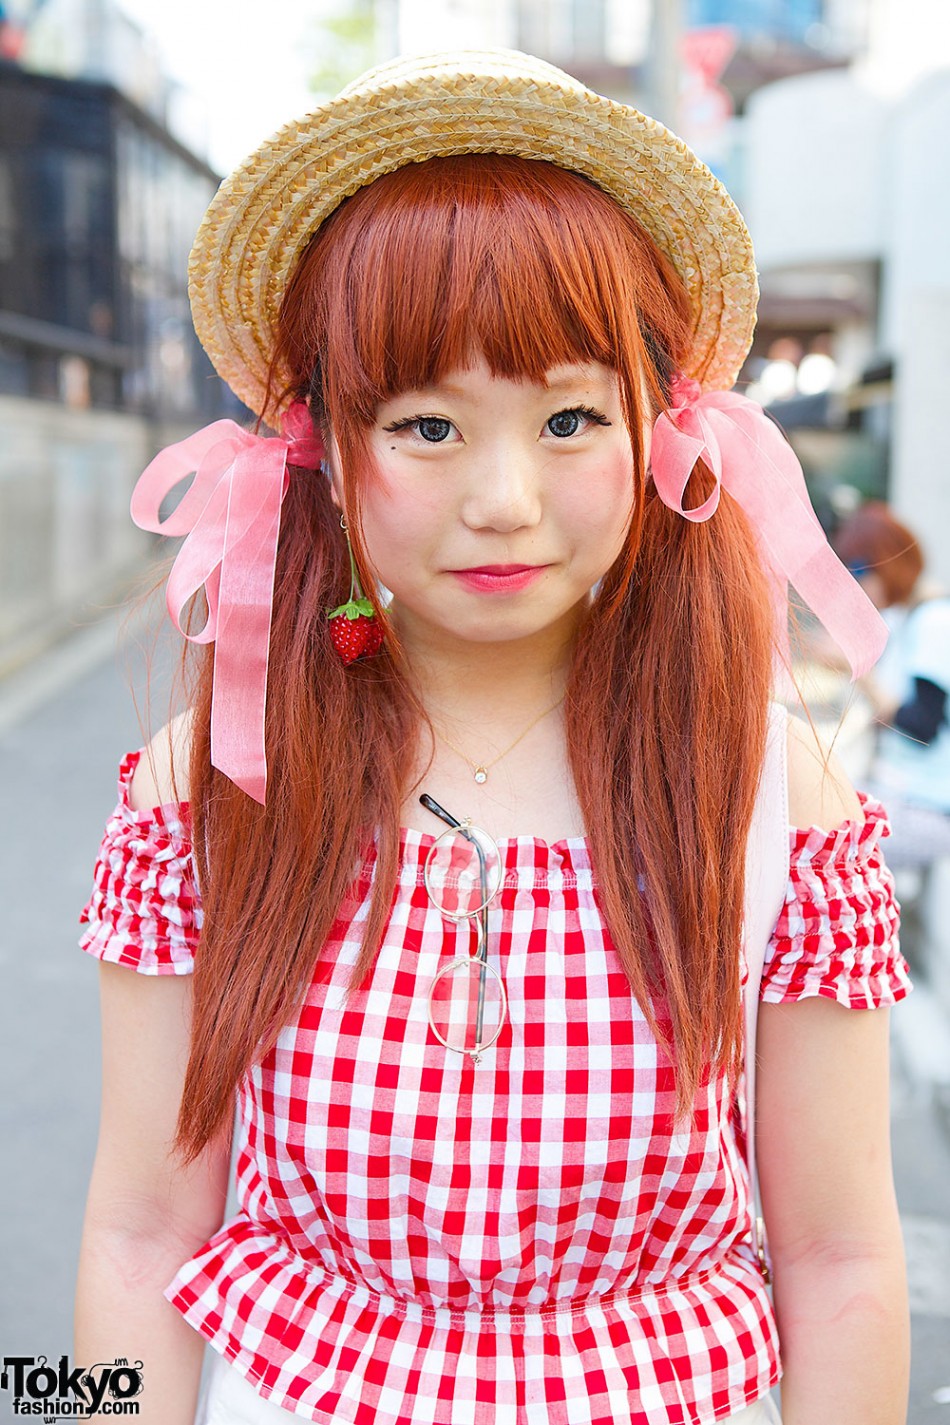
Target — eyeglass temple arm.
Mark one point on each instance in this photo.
(432, 805)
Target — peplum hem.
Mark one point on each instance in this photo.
(330, 1349)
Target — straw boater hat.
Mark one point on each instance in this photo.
(467, 101)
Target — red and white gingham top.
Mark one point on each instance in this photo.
(525, 1242)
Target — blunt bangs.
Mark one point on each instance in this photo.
(480, 255)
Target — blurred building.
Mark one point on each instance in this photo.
(612, 44)
(847, 184)
(99, 364)
(96, 40)
(98, 209)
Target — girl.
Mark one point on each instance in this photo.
(459, 915)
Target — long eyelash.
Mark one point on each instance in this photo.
(410, 421)
(597, 416)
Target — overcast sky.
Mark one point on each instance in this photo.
(247, 62)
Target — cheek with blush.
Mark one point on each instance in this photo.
(595, 535)
(602, 504)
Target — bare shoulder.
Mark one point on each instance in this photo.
(820, 793)
(151, 784)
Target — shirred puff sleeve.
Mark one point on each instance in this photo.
(837, 933)
(144, 910)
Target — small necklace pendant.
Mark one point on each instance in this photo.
(481, 775)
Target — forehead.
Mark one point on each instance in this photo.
(468, 381)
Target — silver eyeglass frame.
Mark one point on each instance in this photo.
(477, 913)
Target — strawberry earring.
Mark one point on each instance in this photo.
(354, 630)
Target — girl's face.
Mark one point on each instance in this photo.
(484, 473)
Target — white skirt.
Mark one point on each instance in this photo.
(229, 1399)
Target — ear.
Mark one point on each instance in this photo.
(332, 463)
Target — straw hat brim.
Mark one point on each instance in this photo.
(409, 110)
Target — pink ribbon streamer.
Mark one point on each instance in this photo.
(231, 516)
(748, 456)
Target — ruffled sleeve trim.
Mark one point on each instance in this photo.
(144, 910)
(845, 843)
(837, 935)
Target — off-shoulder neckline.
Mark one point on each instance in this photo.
(849, 832)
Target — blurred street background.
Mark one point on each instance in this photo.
(829, 123)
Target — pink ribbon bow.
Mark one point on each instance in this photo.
(748, 455)
(231, 516)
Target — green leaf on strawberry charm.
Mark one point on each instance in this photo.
(353, 608)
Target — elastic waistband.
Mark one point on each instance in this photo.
(517, 1317)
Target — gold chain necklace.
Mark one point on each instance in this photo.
(481, 770)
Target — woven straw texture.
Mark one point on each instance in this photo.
(486, 101)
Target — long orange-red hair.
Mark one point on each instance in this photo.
(529, 266)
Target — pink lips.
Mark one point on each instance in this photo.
(498, 578)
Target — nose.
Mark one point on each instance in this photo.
(504, 492)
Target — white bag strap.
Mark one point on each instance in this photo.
(766, 882)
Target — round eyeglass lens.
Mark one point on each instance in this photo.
(453, 872)
(467, 1005)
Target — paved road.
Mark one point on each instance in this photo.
(64, 723)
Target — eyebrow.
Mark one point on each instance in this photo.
(444, 387)
(573, 378)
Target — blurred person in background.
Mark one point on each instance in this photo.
(909, 769)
